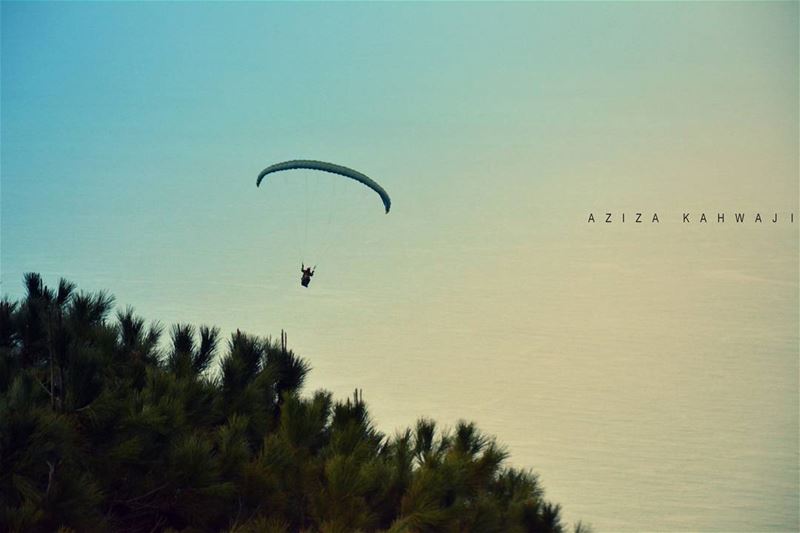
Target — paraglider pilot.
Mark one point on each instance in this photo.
(307, 273)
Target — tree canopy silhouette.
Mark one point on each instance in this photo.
(105, 426)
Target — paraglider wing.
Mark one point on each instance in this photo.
(328, 167)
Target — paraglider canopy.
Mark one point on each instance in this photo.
(332, 168)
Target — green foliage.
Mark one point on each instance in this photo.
(104, 426)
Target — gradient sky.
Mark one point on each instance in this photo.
(132, 135)
(133, 131)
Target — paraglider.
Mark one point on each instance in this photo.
(308, 272)
(332, 168)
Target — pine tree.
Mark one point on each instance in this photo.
(107, 425)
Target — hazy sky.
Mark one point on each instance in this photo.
(132, 135)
